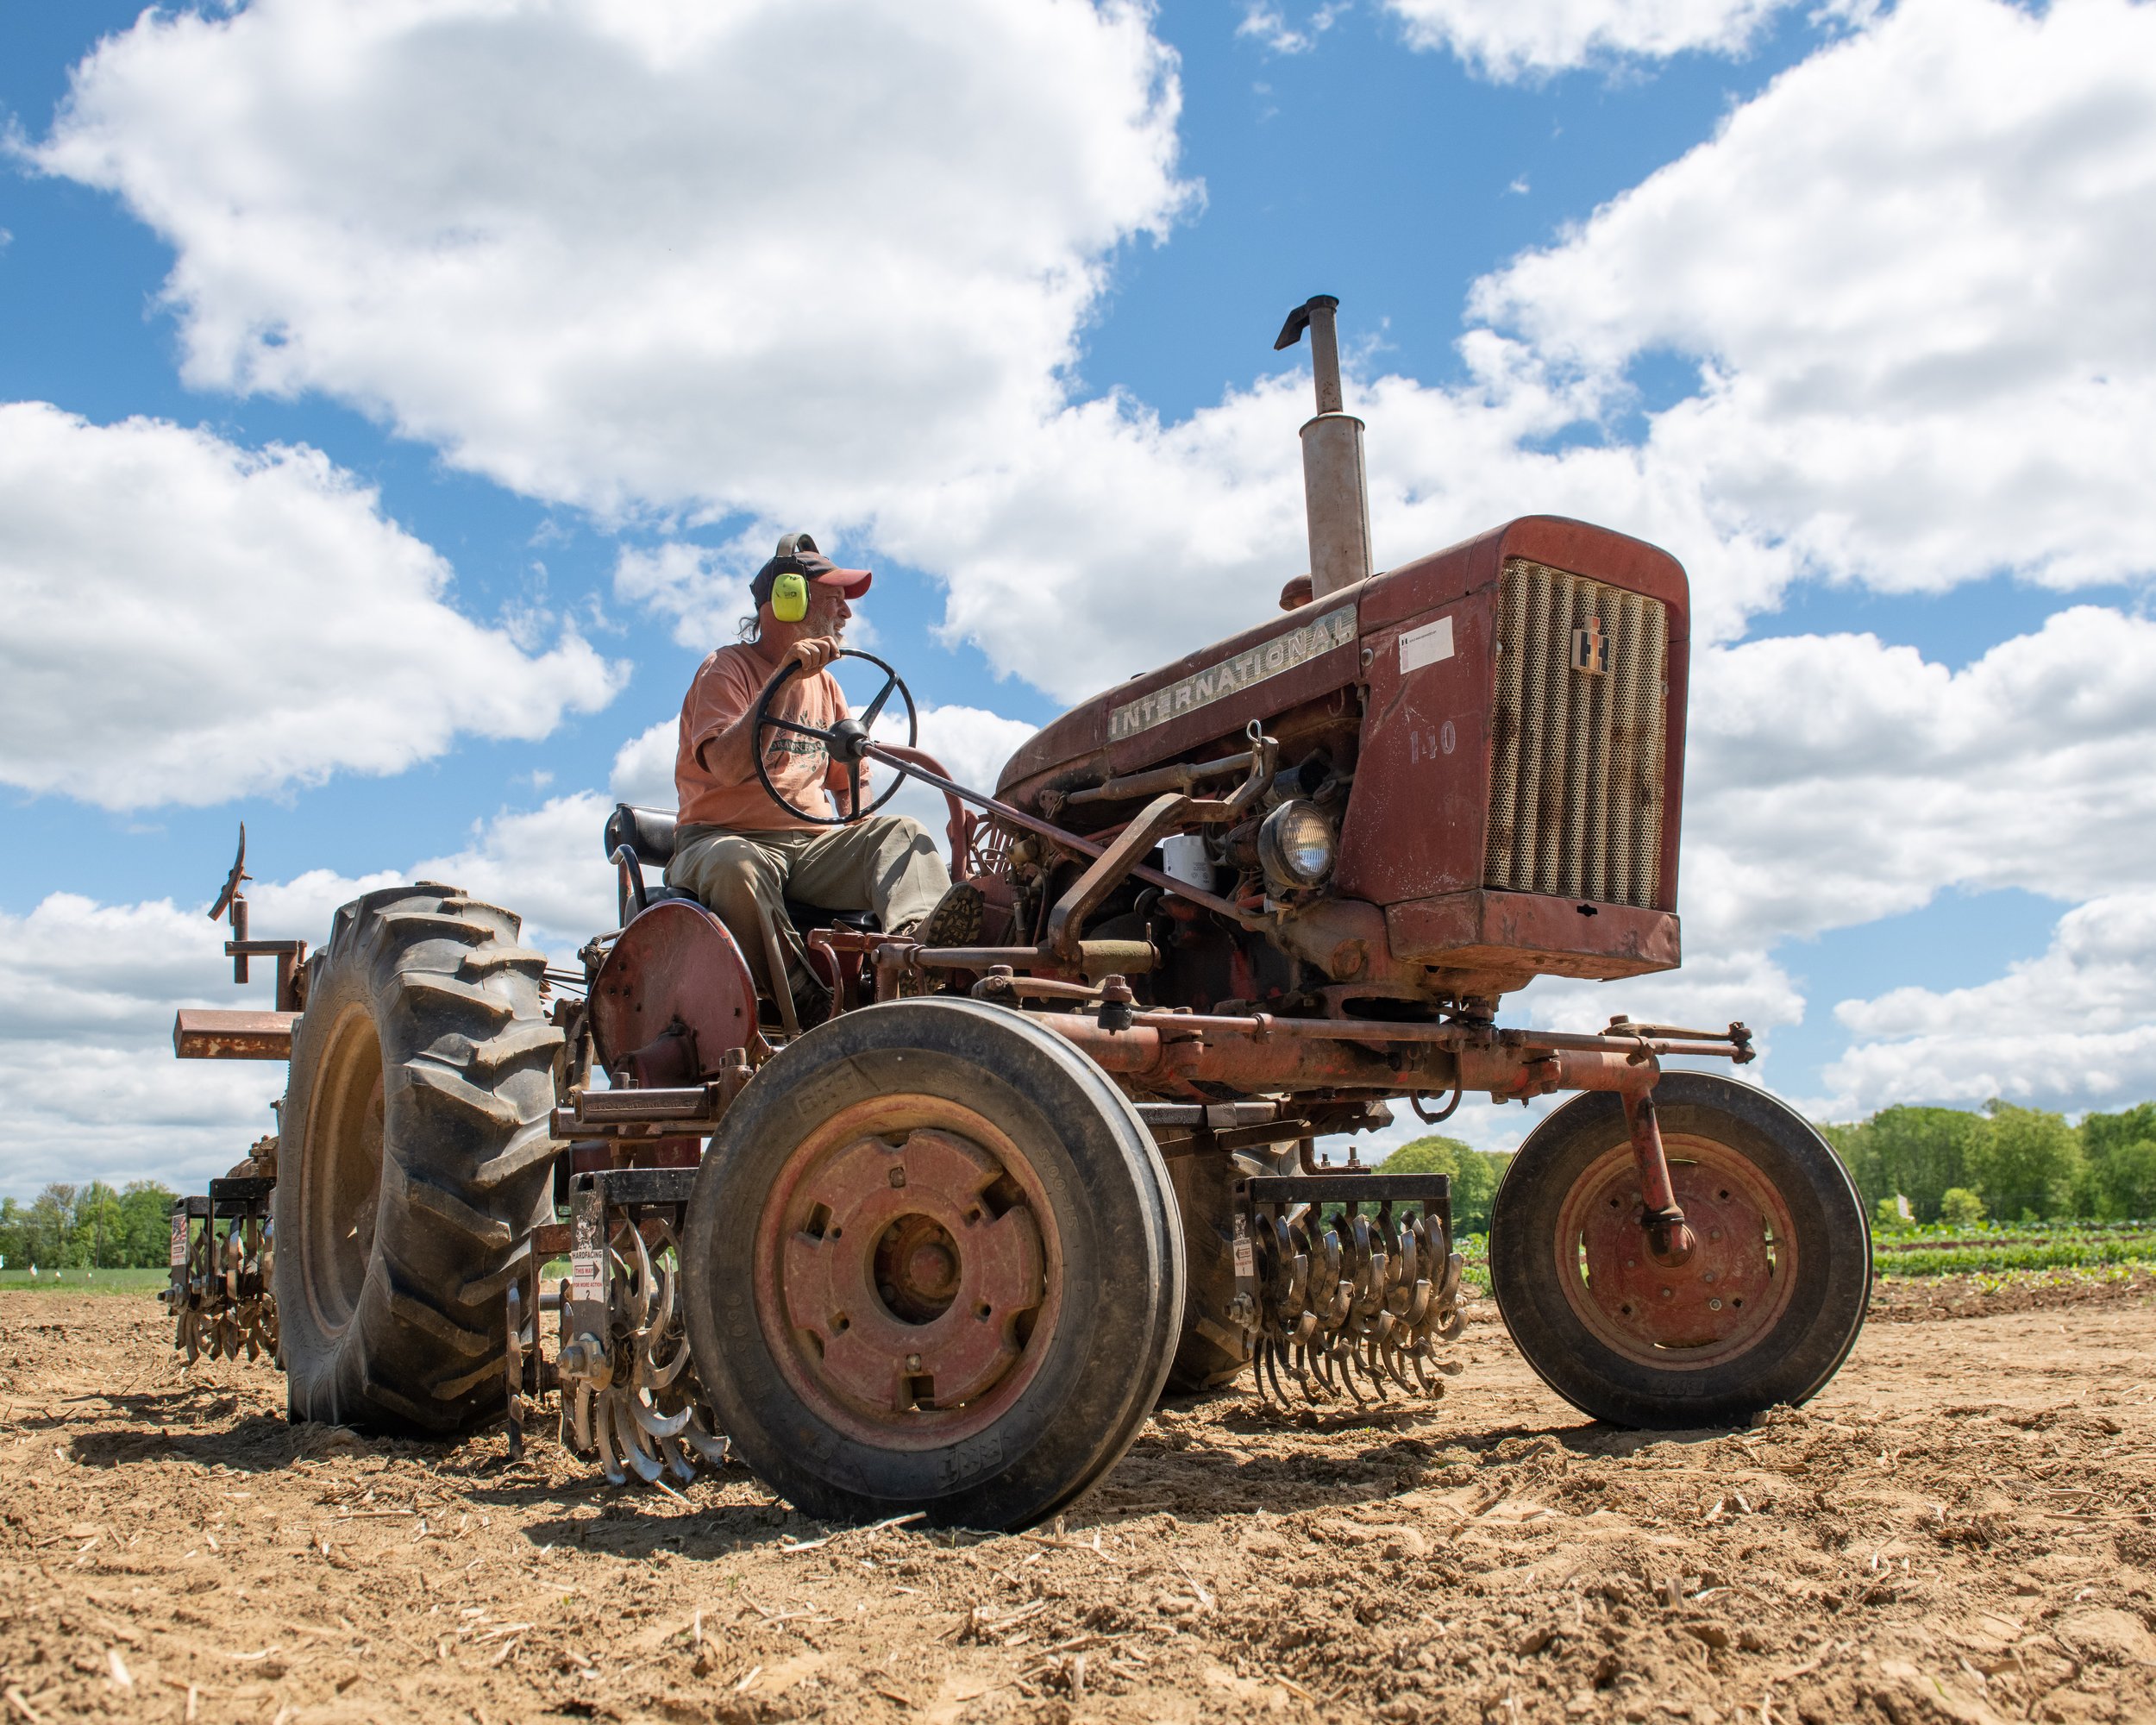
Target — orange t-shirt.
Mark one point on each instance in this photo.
(727, 685)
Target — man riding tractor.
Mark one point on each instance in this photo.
(746, 854)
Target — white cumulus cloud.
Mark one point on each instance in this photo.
(1514, 39)
(773, 252)
(2074, 1028)
(188, 621)
(1911, 273)
(1832, 780)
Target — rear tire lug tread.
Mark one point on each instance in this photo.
(460, 1384)
(490, 1232)
(503, 958)
(448, 991)
(444, 1087)
(532, 1147)
(399, 926)
(471, 1072)
(408, 1308)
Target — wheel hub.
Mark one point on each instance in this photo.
(1710, 1307)
(913, 1272)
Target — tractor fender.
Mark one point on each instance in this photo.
(673, 970)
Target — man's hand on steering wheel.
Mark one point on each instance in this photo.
(816, 653)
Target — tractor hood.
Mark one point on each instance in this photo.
(1206, 698)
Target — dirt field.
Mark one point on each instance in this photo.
(1963, 1528)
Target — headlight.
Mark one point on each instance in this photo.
(1295, 846)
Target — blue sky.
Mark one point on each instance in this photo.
(996, 318)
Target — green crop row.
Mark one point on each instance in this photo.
(1995, 1256)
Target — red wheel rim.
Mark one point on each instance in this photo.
(908, 1272)
(1707, 1311)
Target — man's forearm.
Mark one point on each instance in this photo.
(730, 756)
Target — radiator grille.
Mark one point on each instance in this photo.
(1576, 759)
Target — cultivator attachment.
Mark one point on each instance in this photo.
(223, 1255)
(630, 1393)
(1350, 1283)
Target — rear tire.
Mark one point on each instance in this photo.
(932, 1263)
(415, 1161)
(1764, 1313)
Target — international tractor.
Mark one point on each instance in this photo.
(943, 1252)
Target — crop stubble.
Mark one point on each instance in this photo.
(1963, 1527)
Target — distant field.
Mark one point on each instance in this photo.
(2003, 1248)
(86, 1281)
(2000, 1249)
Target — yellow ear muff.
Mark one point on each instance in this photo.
(789, 597)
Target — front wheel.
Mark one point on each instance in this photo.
(932, 1263)
(1765, 1311)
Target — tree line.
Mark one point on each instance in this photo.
(2004, 1162)
(1947, 1164)
(70, 1227)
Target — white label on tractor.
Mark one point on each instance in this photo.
(584, 1260)
(180, 1239)
(1245, 1264)
(1426, 645)
(1231, 676)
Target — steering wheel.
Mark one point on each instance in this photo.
(844, 740)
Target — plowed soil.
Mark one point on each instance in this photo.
(1963, 1527)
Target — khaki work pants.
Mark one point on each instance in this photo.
(885, 863)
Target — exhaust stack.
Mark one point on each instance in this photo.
(1335, 493)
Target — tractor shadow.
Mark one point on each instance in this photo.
(1202, 1463)
(254, 1443)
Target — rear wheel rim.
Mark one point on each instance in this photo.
(908, 1272)
(1717, 1307)
(342, 1176)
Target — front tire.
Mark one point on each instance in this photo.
(1764, 1313)
(932, 1263)
(416, 1160)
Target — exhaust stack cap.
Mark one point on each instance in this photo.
(1336, 494)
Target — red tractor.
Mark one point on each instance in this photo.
(943, 1252)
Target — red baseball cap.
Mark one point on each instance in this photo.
(796, 554)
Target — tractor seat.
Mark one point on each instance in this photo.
(648, 833)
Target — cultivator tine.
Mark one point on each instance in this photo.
(627, 1374)
(1374, 1325)
(714, 1447)
(222, 1261)
(602, 1430)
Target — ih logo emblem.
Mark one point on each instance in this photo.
(1590, 649)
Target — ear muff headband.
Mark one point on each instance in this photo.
(789, 597)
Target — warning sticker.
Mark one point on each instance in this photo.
(180, 1239)
(585, 1249)
(1426, 645)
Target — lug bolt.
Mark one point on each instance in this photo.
(898, 1176)
(1631, 1263)
(1707, 1276)
(913, 1362)
(1713, 1305)
(1666, 1294)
